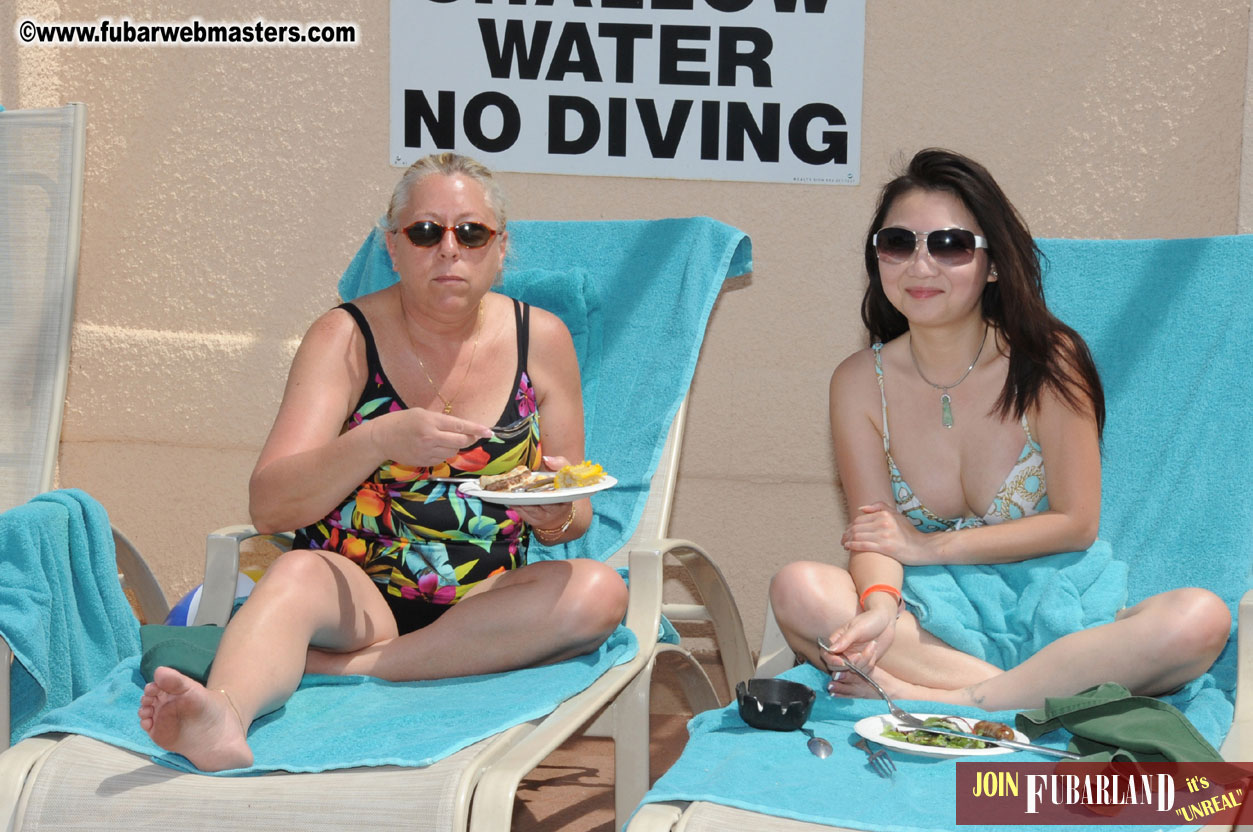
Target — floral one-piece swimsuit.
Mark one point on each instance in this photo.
(424, 544)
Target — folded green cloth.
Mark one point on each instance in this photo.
(189, 650)
(1108, 723)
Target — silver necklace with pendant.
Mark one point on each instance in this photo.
(946, 401)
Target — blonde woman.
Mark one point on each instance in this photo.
(393, 574)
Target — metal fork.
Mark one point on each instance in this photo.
(897, 711)
(511, 430)
(879, 761)
(912, 721)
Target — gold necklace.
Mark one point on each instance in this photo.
(946, 401)
(478, 330)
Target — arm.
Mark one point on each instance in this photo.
(856, 413)
(1072, 462)
(307, 465)
(1071, 451)
(554, 371)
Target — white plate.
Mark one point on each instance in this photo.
(534, 498)
(872, 729)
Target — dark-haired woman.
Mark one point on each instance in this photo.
(968, 377)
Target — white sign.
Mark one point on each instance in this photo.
(741, 90)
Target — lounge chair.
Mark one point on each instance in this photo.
(59, 781)
(41, 193)
(1168, 324)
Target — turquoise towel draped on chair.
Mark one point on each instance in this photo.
(58, 580)
(636, 296)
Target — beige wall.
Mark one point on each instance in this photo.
(227, 189)
(1246, 157)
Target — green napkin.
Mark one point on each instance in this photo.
(1108, 723)
(189, 650)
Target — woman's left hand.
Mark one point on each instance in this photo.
(551, 515)
(881, 528)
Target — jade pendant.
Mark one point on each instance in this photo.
(946, 410)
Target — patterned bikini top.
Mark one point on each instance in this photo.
(1023, 493)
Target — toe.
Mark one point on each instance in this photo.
(170, 681)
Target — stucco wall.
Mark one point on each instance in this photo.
(1246, 157)
(227, 189)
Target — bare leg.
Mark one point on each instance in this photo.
(1152, 648)
(813, 600)
(177, 711)
(544, 612)
(304, 598)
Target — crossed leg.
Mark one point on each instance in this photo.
(542, 613)
(304, 598)
(319, 612)
(1151, 648)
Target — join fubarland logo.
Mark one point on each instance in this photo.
(1070, 793)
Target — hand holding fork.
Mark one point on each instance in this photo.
(909, 720)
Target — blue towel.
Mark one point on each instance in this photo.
(636, 304)
(1004, 613)
(1169, 328)
(728, 762)
(62, 609)
(1167, 322)
(636, 295)
(389, 723)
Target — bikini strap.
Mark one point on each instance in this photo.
(371, 353)
(1027, 429)
(878, 372)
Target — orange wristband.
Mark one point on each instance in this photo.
(890, 590)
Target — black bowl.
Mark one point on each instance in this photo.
(774, 704)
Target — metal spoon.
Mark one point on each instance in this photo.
(819, 747)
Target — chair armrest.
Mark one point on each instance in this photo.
(656, 817)
(6, 663)
(137, 577)
(1242, 725)
(1244, 656)
(717, 606)
(643, 612)
(494, 795)
(775, 656)
(221, 570)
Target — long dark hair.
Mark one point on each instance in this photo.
(1043, 351)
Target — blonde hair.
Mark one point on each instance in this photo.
(444, 164)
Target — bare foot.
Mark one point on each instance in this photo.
(847, 683)
(853, 686)
(183, 716)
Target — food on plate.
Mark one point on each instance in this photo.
(537, 481)
(919, 737)
(506, 481)
(520, 478)
(577, 476)
(995, 730)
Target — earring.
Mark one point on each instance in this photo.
(993, 274)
